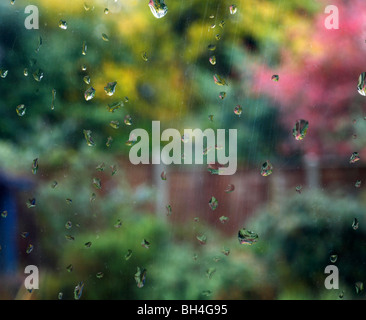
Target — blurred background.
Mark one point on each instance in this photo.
(82, 212)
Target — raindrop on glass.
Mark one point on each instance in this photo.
(89, 94)
(140, 277)
(361, 87)
(354, 157)
(88, 138)
(62, 24)
(233, 9)
(213, 203)
(35, 166)
(158, 8)
(247, 237)
(21, 110)
(219, 80)
(266, 169)
(110, 88)
(78, 291)
(128, 120)
(300, 129)
(114, 124)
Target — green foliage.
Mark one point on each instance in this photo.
(298, 237)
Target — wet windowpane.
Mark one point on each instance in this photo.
(184, 150)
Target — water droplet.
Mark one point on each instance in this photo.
(78, 291)
(144, 56)
(128, 254)
(93, 197)
(26, 72)
(24, 234)
(212, 60)
(361, 87)
(86, 79)
(233, 9)
(89, 94)
(12, 2)
(354, 157)
(87, 7)
(195, 257)
(168, 210)
(100, 275)
(84, 48)
(70, 268)
(83, 67)
(218, 36)
(210, 117)
(29, 249)
(300, 129)
(21, 110)
(213, 26)
(31, 203)
(219, 80)
(114, 169)
(69, 201)
(110, 88)
(266, 169)
(247, 237)
(223, 219)
(140, 277)
(202, 239)
(114, 106)
(158, 8)
(126, 100)
(333, 258)
(211, 47)
(106, 11)
(60, 295)
(35, 166)
(359, 287)
(118, 224)
(213, 203)
(38, 75)
(275, 78)
(225, 251)
(88, 138)
(358, 184)
(3, 73)
(69, 237)
(68, 225)
(39, 44)
(53, 99)
(62, 24)
(109, 142)
(105, 37)
(145, 244)
(128, 120)
(230, 188)
(54, 184)
(97, 183)
(238, 110)
(210, 272)
(206, 293)
(88, 244)
(4, 214)
(355, 224)
(163, 176)
(222, 95)
(222, 23)
(341, 295)
(100, 167)
(114, 124)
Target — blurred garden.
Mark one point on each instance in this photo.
(73, 205)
